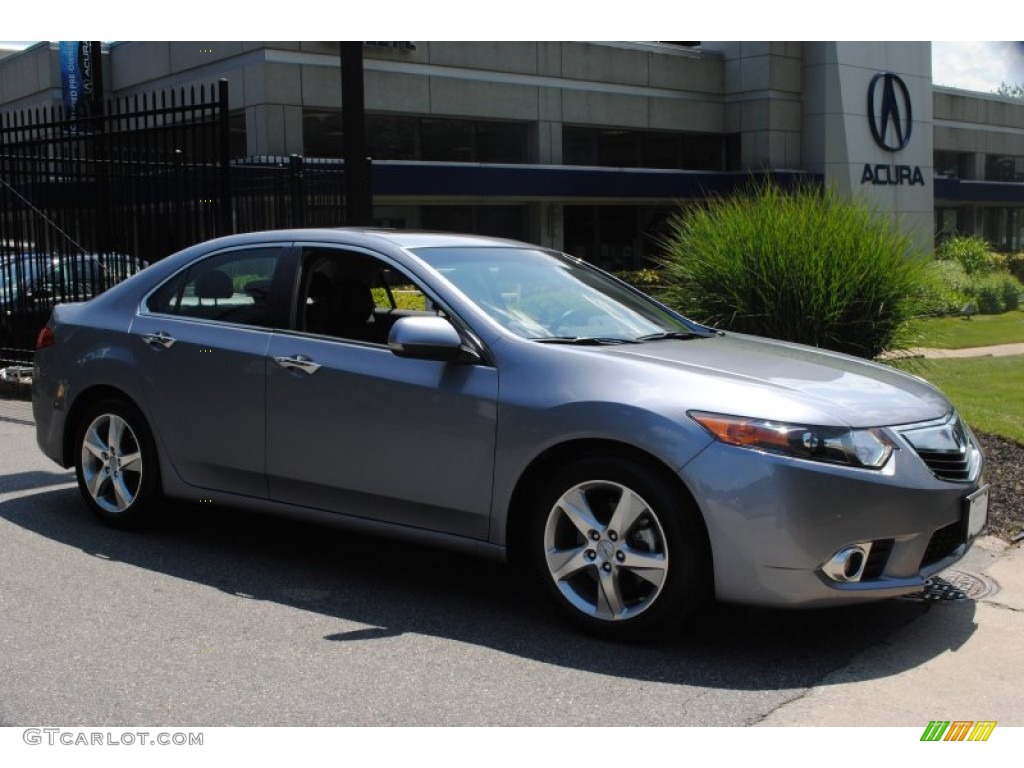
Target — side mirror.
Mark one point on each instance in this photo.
(427, 338)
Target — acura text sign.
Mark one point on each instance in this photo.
(891, 119)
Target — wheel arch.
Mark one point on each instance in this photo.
(81, 404)
(532, 479)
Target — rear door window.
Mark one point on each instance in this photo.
(231, 287)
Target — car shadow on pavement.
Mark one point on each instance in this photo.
(25, 481)
(395, 588)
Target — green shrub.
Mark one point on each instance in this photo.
(972, 253)
(641, 278)
(1012, 290)
(806, 266)
(1014, 264)
(988, 293)
(1005, 288)
(991, 293)
(948, 288)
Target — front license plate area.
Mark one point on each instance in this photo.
(977, 511)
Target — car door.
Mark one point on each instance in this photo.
(201, 342)
(354, 429)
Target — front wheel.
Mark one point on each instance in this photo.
(115, 463)
(619, 548)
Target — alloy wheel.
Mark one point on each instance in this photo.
(606, 550)
(111, 463)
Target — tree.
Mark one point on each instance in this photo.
(1015, 91)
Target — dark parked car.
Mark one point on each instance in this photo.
(32, 282)
(505, 399)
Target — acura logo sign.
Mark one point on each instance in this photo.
(891, 119)
(889, 111)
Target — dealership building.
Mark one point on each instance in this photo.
(589, 146)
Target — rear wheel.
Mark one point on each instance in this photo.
(619, 549)
(115, 462)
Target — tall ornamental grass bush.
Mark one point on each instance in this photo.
(803, 266)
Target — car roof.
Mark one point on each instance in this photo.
(426, 239)
(403, 238)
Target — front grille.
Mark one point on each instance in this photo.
(945, 449)
(947, 466)
(944, 542)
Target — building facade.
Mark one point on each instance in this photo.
(590, 147)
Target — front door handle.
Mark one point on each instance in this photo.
(298, 363)
(159, 339)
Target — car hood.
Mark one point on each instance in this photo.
(857, 392)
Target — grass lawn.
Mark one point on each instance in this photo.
(979, 331)
(988, 391)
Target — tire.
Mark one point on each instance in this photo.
(629, 584)
(116, 464)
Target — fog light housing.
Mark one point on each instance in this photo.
(847, 565)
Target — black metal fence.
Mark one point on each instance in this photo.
(86, 203)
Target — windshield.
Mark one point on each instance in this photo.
(542, 295)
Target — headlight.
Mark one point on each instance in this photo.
(855, 447)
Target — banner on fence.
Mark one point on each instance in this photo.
(81, 81)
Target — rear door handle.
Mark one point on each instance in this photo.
(159, 339)
(298, 363)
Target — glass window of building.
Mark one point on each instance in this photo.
(446, 140)
(620, 148)
(237, 141)
(949, 222)
(493, 220)
(953, 165)
(615, 237)
(391, 137)
(322, 134)
(703, 152)
(408, 137)
(1004, 228)
(501, 142)
(662, 150)
(1004, 168)
(579, 146)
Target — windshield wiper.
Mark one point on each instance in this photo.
(592, 341)
(674, 335)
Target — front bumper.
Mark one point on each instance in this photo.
(775, 523)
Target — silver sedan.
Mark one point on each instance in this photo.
(501, 398)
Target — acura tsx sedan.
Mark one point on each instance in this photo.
(512, 401)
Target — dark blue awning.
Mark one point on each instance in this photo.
(965, 191)
(391, 178)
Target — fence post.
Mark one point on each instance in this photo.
(178, 201)
(298, 198)
(103, 235)
(225, 157)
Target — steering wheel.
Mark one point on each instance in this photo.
(569, 317)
